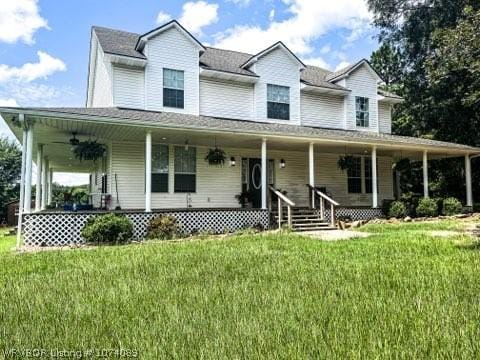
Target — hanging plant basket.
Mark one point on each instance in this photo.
(346, 162)
(216, 157)
(89, 150)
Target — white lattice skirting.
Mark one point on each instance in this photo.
(62, 229)
(356, 213)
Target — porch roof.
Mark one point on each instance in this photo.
(178, 121)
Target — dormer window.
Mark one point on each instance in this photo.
(173, 88)
(361, 108)
(278, 102)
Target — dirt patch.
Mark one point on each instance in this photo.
(336, 235)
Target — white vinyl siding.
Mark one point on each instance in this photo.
(227, 100)
(216, 186)
(322, 111)
(172, 50)
(102, 84)
(278, 68)
(128, 87)
(385, 118)
(362, 83)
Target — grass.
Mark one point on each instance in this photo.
(398, 294)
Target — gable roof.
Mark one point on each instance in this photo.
(340, 74)
(124, 43)
(279, 44)
(171, 24)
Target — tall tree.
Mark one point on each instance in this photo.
(439, 95)
(10, 165)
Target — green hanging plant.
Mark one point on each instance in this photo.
(216, 157)
(89, 150)
(346, 162)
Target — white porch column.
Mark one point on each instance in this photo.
(374, 178)
(148, 172)
(45, 176)
(22, 181)
(39, 183)
(264, 173)
(311, 171)
(28, 172)
(49, 189)
(468, 180)
(425, 174)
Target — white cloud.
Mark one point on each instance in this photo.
(271, 15)
(309, 20)
(8, 102)
(19, 20)
(46, 66)
(70, 179)
(341, 65)
(241, 2)
(196, 15)
(163, 17)
(325, 49)
(317, 61)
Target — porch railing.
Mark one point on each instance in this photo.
(282, 198)
(323, 198)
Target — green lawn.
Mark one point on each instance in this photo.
(399, 293)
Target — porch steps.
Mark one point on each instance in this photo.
(304, 219)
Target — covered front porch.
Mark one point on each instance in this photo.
(156, 162)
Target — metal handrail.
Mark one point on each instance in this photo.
(290, 203)
(324, 197)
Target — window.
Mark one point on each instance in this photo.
(173, 82)
(278, 102)
(354, 174)
(361, 108)
(185, 169)
(159, 168)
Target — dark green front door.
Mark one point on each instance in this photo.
(255, 181)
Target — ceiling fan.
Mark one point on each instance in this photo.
(73, 140)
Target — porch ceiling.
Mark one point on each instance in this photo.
(55, 131)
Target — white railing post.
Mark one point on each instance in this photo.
(264, 173)
(311, 171)
(45, 166)
(468, 180)
(280, 213)
(148, 172)
(289, 214)
(425, 174)
(332, 215)
(322, 208)
(39, 182)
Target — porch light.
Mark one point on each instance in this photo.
(232, 161)
(282, 164)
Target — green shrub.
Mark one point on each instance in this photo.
(164, 227)
(427, 207)
(452, 206)
(108, 228)
(397, 209)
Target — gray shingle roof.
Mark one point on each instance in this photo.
(186, 121)
(118, 42)
(389, 94)
(123, 43)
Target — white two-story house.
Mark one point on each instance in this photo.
(160, 101)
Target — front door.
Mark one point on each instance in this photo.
(255, 182)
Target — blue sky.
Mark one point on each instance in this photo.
(44, 44)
